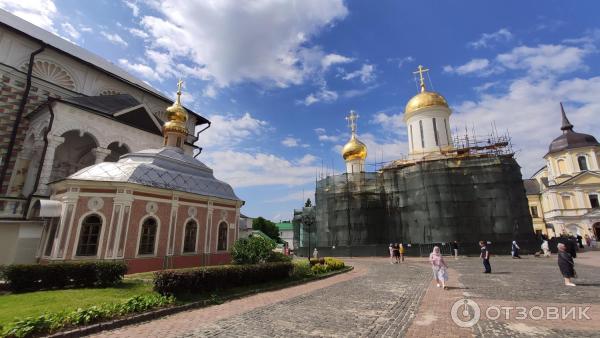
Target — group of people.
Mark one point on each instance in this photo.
(396, 253)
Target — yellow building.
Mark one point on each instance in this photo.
(564, 194)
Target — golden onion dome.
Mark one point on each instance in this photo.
(354, 150)
(177, 115)
(425, 99)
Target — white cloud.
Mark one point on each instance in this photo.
(86, 29)
(390, 122)
(264, 42)
(473, 66)
(323, 137)
(332, 59)
(299, 196)
(292, 142)
(540, 60)
(70, 30)
(133, 6)
(41, 13)
(529, 110)
(138, 32)
(487, 39)
(322, 95)
(114, 38)
(209, 91)
(143, 70)
(242, 169)
(307, 159)
(227, 131)
(366, 73)
(402, 61)
(543, 59)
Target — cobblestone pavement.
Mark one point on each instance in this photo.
(379, 299)
(528, 283)
(382, 303)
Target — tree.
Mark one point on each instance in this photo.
(308, 203)
(266, 226)
(253, 250)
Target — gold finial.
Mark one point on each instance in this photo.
(352, 121)
(420, 71)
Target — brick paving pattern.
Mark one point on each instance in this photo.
(383, 300)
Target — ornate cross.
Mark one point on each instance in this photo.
(420, 71)
(352, 120)
(179, 85)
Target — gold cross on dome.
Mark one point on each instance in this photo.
(420, 71)
(352, 120)
(179, 85)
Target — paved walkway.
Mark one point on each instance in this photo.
(379, 299)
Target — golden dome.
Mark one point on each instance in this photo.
(354, 150)
(177, 115)
(425, 99)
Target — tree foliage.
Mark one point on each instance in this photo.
(268, 227)
(252, 250)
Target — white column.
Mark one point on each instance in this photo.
(100, 154)
(53, 143)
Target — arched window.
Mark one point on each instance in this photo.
(222, 242)
(582, 163)
(89, 236)
(189, 236)
(148, 237)
(562, 167)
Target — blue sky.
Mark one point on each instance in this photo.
(277, 78)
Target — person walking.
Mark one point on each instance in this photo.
(455, 249)
(515, 250)
(396, 253)
(391, 248)
(566, 264)
(401, 252)
(580, 241)
(439, 266)
(485, 257)
(546, 248)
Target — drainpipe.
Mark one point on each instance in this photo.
(13, 136)
(197, 137)
(42, 158)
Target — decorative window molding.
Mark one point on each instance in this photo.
(222, 236)
(77, 253)
(51, 72)
(149, 231)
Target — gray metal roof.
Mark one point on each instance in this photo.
(70, 48)
(531, 186)
(166, 168)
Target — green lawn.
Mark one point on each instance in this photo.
(40, 302)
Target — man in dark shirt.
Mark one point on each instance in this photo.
(485, 257)
(454, 246)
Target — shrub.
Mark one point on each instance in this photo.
(314, 261)
(334, 263)
(211, 278)
(278, 257)
(31, 277)
(319, 268)
(47, 323)
(301, 269)
(252, 250)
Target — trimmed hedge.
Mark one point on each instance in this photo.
(211, 278)
(32, 277)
